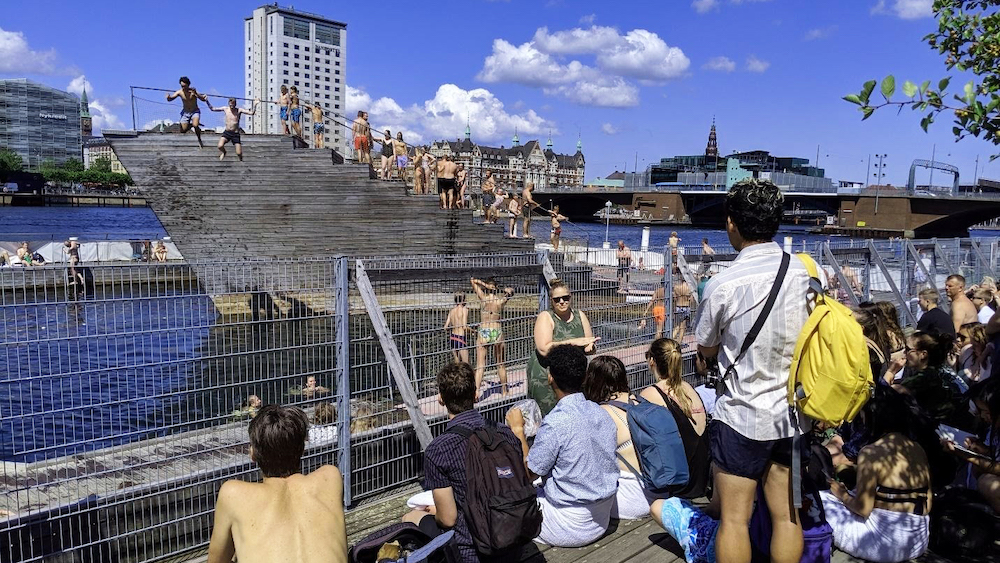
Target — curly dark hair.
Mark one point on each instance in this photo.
(278, 438)
(567, 366)
(457, 386)
(755, 207)
(605, 378)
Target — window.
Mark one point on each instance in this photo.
(286, 52)
(307, 75)
(285, 73)
(337, 106)
(337, 63)
(336, 72)
(337, 81)
(296, 28)
(296, 55)
(296, 82)
(296, 65)
(337, 98)
(286, 46)
(327, 34)
(296, 74)
(307, 67)
(307, 84)
(285, 63)
(296, 47)
(327, 78)
(335, 89)
(328, 96)
(327, 106)
(307, 49)
(328, 61)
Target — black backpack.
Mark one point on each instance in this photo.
(501, 506)
(410, 537)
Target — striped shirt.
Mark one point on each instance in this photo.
(755, 401)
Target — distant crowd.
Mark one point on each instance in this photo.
(817, 427)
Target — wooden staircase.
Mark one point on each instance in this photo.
(288, 202)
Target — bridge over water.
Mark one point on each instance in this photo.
(879, 209)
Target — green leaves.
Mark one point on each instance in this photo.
(926, 121)
(866, 91)
(970, 92)
(854, 99)
(943, 84)
(888, 87)
(909, 89)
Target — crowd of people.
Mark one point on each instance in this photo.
(722, 470)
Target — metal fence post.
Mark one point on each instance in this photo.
(892, 284)
(343, 332)
(543, 282)
(668, 289)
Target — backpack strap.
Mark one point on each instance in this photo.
(759, 324)
(631, 468)
(463, 431)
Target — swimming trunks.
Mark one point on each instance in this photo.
(660, 313)
(188, 116)
(283, 113)
(446, 185)
(297, 115)
(361, 143)
(457, 341)
(232, 136)
(401, 162)
(488, 199)
(318, 127)
(490, 335)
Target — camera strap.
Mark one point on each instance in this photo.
(759, 324)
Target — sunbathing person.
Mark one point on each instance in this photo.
(288, 516)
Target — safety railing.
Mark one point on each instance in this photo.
(127, 389)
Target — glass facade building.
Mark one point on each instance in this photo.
(39, 123)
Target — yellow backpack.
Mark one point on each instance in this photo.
(830, 377)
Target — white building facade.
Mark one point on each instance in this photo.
(292, 48)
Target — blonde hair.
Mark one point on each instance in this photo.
(666, 356)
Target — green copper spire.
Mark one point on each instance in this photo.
(515, 141)
(468, 129)
(84, 107)
(548, 144)
(579, 145)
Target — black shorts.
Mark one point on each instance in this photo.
(446, 185)
(738, 455)
(232, 136)
(488, 199)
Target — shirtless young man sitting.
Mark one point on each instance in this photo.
(190, 112)
(288, 516)
(490, 333)
(457, 327)
(232, 132)
(446, 170)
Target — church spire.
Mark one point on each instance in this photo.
(548, 144)
(579, 144)
(712, 149)
(468, 129)
(515, 142)
(86, 123)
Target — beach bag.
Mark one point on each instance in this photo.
(658, 445)
(409, 537)
(831, 377)
(817, 534)
(694, 530)
(501, 505)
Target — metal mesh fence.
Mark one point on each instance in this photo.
(127, 389)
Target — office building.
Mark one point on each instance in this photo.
(38, 122)
(292, 48)
(98, 147)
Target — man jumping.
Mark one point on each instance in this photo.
(232, 132)
(190, 112)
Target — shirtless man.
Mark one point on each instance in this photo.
(288, 516)
(399, 151)
(446, 171)
(319, 128)
(529, 204)
(556, 227)
(295, 111)
(658, 310)
(682, 307)
(674, 240)
(514, 208)
(462, 180)
(489, 196)
(489, 332)
(457, 327)
(362, 133)
(624, 256)
(190, 112)
(962, 309)
(232, 132)
(283, 109)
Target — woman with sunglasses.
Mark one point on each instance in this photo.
(927, 378)
(561, 325)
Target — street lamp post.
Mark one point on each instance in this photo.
(879, 175)
(607, 223)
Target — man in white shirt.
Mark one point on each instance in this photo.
(982, 298)
(751, 435)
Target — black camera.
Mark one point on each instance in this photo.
(712, 375)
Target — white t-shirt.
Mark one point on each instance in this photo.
(985, 314)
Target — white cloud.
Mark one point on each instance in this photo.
(17, 57)
(603, 92)
(588, 19)
(576, 41)
(721, 64)
(644, 55)
(526, 65)
(445, 116)
(705, 6)
(356, 99)
(819, 33)
(101, 116)
(757, 65)
(609, 129)
(905, 9)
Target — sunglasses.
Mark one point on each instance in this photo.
(564, 298)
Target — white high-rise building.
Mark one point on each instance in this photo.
(292, 48)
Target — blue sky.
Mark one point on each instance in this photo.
(633, 79)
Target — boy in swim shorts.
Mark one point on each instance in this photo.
(283, 108)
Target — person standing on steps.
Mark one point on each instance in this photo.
(232, 131)
(399, 151)
(556, 227)
(386, 154)
(190, 112)
(362, 138)
(319, 128)
(624, 256)
(462, 181)
(490, 332)
(283, 110)
(489, 197)
(446, 170)
(295, 111)
(529, 204)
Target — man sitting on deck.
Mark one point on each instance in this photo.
(574, 453)
(289, 516)
(444, 460)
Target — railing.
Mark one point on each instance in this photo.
(126, 396)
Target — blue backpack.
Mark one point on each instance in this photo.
(658, 445)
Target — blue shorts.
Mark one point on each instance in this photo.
(283, 113)
(738, 455)
(297, 115)
(318, 127)
(188, 116)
